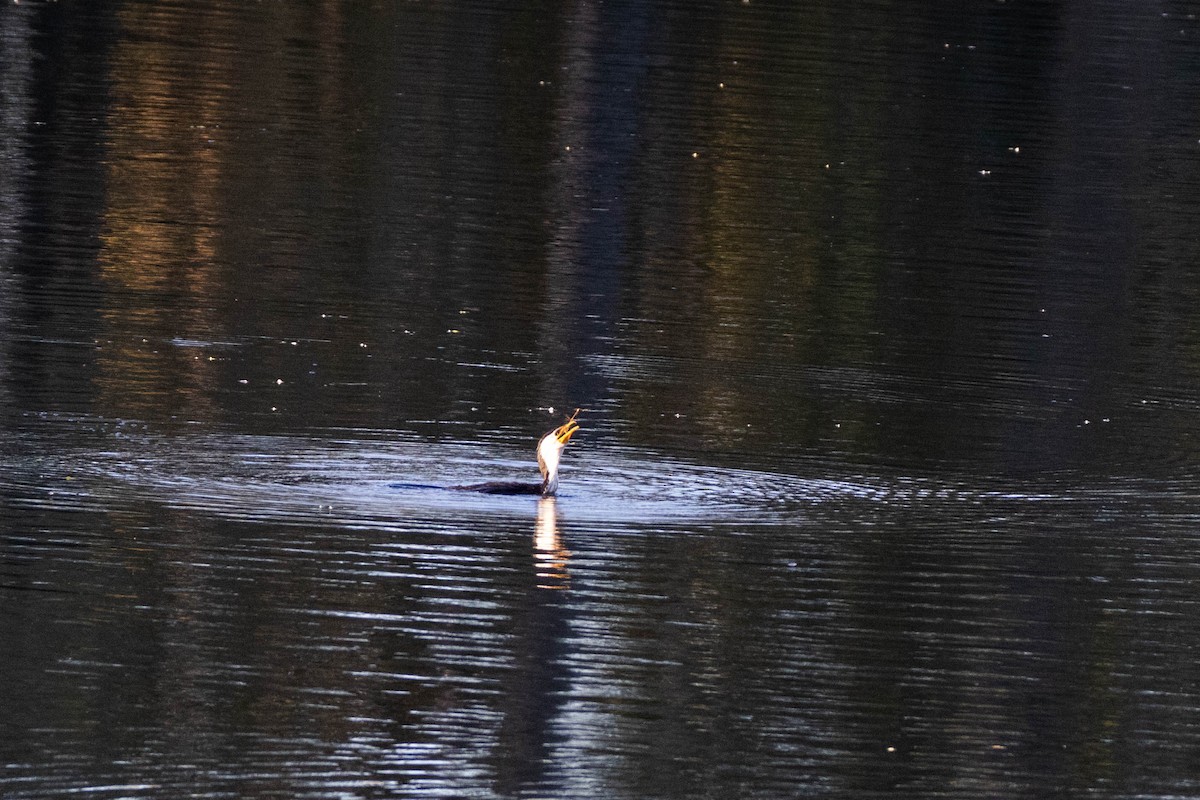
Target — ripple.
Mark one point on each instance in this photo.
(381, 479)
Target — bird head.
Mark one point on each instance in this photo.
(549, 451)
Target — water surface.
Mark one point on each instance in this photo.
(881, 321)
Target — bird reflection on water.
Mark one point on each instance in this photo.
(536, 687)
(549, 554)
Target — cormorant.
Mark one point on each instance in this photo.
(549, 450)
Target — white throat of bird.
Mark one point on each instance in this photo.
(549, 450)
(548, 453)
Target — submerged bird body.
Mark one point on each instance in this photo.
(504, 487)
(549, 451)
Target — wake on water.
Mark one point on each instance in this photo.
(372, 480)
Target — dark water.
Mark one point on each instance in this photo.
(883, 317)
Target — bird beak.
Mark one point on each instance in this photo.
(564, 433)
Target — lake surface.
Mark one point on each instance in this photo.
(883, 324)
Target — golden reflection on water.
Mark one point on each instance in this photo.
(160, 220)
(550, 557)
(195, 142)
